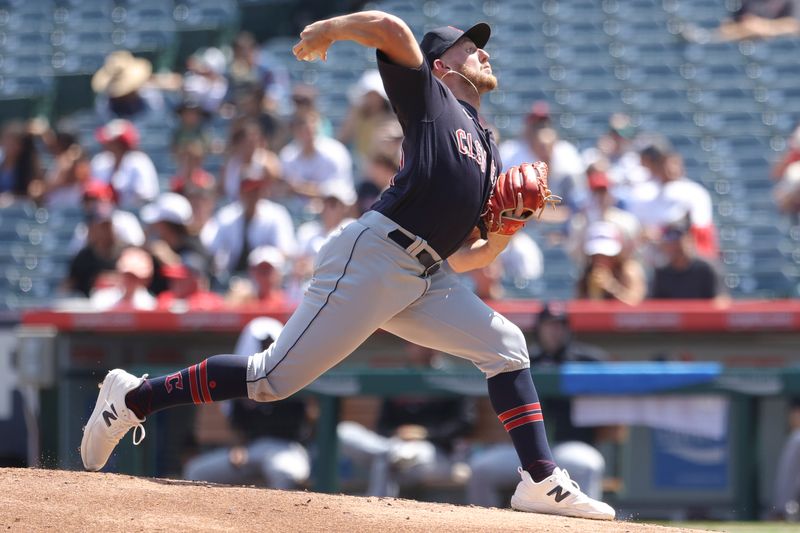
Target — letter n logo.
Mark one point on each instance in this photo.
(559, 492)
(108, 416)
(173, 380)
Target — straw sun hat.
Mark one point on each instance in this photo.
(121, 74)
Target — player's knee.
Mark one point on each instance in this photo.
(519, 346)
(266, 390)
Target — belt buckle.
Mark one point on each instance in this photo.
(430, 264)
(431, 270)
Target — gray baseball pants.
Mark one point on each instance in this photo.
(364, 281)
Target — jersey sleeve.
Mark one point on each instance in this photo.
(415, 94)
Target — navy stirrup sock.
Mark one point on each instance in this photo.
(221, 377)
(516, 403)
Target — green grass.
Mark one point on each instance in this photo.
(740, 527)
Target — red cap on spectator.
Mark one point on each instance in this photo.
(199, 181)
(251, 182)
(539, 112)
(98, 190)
(119, 130)
(598, 180)
(178, 271)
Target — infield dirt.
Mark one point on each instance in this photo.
(57, 500)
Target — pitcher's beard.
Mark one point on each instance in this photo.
(483, 81)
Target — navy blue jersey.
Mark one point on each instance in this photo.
(449, 160)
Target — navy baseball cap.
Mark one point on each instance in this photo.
(437, 41)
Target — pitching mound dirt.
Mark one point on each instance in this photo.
(55, 500)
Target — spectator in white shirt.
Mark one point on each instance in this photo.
(248, 159)
(204, 80)
(542, 143)
(669, 196)
(335, 208)
(168, 218)
(522, 260)
(126, 227)
(616, 151)
(600, 206)
(310, 159)
(246, 224)
(130, 172)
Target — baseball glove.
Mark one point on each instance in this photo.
(519, 194)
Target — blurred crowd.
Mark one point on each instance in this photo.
(246, 232)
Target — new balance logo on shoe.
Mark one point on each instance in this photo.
(108, 416)
(559, 492)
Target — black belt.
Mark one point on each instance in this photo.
(424, 256)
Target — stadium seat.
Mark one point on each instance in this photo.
(21, 64)
(729, 99)
(714, 53)
(25, 41)
(778, 51)
(659, 100)
(647, 53)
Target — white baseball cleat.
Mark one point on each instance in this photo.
(110, 420)
(557, 494)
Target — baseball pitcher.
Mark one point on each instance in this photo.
(449, 208)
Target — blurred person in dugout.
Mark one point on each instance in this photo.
(601, 205)
(668, 195)
(786, 175)
(616, 154)
(19, 162)
(263, 287)
(418, 440)
(610, 273)
(785, 503)
(99, 254)
(269, 438)
(492, 467)
(187, 290)
(170, 241)
(369, 109)
(244, 225)
(124, 88)
(247, 158)
(129, 171)
(126, 287)
(683, 275)
(196, 184)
